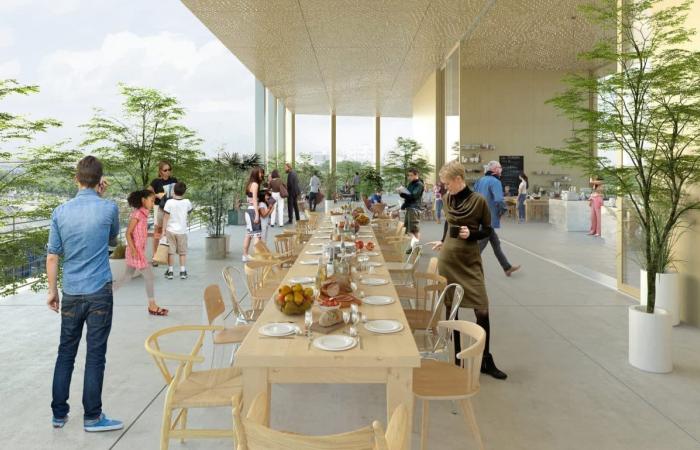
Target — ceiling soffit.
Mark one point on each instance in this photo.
(367, 57)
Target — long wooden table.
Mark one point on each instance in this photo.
(385, 359)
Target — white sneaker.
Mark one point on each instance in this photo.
(414, 242)
(245, 258)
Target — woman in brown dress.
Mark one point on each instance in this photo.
(467, 221)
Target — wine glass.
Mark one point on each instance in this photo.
(308, 320)
(346, 317)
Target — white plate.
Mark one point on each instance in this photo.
(335, 342)
(378, 300)
(309, 262)
(384, 326)
(301, 280)
(374, 264)
(364, 236)
(316, 244)
(277, 329)
(374, 281)
(371, 253)
(314, 252)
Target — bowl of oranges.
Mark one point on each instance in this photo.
(295, 299)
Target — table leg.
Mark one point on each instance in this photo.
(255, 381)
(399, 389)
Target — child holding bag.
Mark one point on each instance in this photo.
(136, 236)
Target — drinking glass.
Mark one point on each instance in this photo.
(346, 317)
(308, 320)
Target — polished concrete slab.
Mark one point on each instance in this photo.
(560, 336)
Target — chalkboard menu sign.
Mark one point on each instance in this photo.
(512, 167)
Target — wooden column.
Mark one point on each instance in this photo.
(377, 142)
(333, 148)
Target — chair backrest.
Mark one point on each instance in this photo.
(252, 434)
(284, 244)
(261, 249)
(457, 294)
(429, 293)
(228, 274)
(432, 265)
(474, 340)
(414, 256)
(185, 361)
(213, 302)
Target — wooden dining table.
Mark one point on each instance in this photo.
(387, 359)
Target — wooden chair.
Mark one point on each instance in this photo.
(189, 389)
(434, 342)
(260, 288)
(263, 253)
(253, 434)
(215, 308)
(439, 380)
(286, 246)
(403, 273)
(421, 299)
(243, 315)
(314, 219)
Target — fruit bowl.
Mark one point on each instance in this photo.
(295, 299)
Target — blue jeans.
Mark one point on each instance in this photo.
(95, 310)
(438, 208)
(521, 207)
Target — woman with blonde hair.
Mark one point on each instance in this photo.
(467, 220)
(163, 188)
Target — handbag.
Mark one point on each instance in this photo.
(161, 254)
(284, 193)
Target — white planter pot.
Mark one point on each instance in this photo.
(649, 346)
(668, 295)
(215, 247)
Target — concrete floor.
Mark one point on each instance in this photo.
(560, 336)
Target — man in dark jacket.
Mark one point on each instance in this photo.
(412, 196)
(293, 192)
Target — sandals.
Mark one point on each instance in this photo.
(158, 311)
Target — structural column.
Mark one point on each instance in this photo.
(260, 144)
(271, 149)
(439, 122)
(377, 142)
(281, 140)
(293, 140)
(333, 149)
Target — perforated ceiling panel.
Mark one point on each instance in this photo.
(363, 57)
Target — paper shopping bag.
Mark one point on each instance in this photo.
(161, 254)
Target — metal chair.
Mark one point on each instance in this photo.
(432, 342)
(215, 308)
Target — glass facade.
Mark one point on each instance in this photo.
(452, 106)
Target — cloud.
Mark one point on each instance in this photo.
(58, 7)
(7, 37)
(216, 89)
(10, 69)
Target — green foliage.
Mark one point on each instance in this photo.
(649, 112)
(407, 154)
(221, 186)
(305, 169)
(370, 181)
(23, 174)
(149, 130)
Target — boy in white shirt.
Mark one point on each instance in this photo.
(175, 226)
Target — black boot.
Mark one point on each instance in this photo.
(489, 367)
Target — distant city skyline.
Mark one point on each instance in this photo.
(77, 51)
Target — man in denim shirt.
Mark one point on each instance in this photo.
(491, 188)
(80, 231)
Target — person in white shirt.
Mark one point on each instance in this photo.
(314, 186)
(522, 196)
(175, 226)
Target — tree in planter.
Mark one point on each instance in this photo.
(650, 110)
(22, 172)
(407, 154)
(237, 166)
(213, 195)
(371, 181)
(149, 130)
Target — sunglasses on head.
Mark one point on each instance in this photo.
(165, 170)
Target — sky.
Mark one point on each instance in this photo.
(77, 51)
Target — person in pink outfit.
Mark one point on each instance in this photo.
(596, 204)
(142, 202)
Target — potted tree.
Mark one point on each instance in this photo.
(237, 166)
(331, 181)
(214, 199)
(648, 113)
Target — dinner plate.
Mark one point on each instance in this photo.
(277, 329)
(309, 262)
(371, 253)
(316, 244)
(314, 252)
(374, 264)
(364, 236)
(335, 342)
(378, 300)
(384, 326)
(374, 281)
(301, 280)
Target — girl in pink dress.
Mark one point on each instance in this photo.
(596, 204)
(136, 236)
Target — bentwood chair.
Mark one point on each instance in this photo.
(243, 315)
(189, 389)
(286, 246)
(253, 434)
(260, 285)
(263, 253)
(421, 300)
(215, 308)
(440, 380)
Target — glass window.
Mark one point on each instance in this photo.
(313, 137)
(452, 106)
(354, 139)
